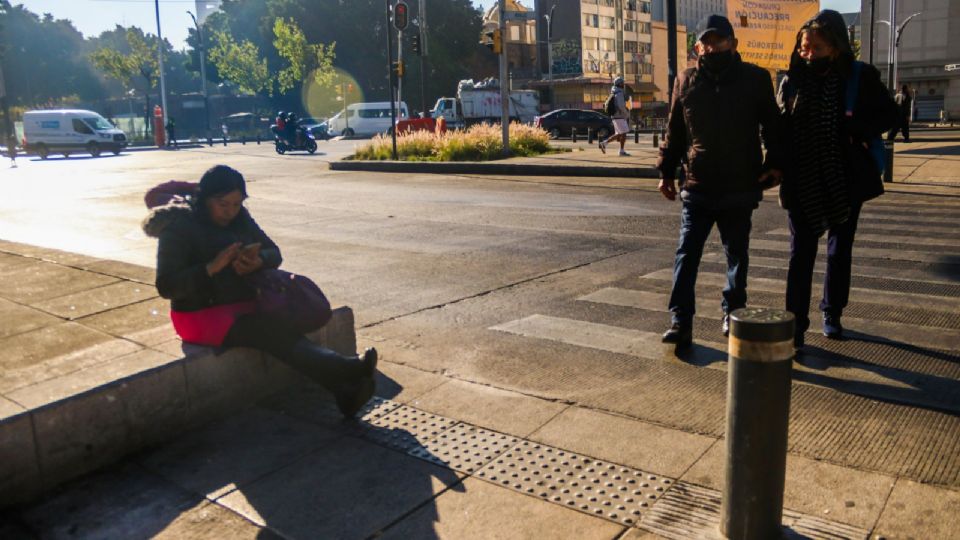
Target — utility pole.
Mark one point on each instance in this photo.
(550, 52)
(671, 48)
(163, 84)
(891, 48)
(422, 19)
(393, 104)
(203, 75)
(504, 93)
(873, 30)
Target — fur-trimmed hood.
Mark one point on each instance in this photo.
(161, 216)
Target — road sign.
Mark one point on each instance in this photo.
(520, 16)
(951, 67)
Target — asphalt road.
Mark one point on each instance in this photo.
(556, 287)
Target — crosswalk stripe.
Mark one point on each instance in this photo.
(921, 336)
(857, 294)
(892, 239)
(919, 219)
(878, 382)
(858, 270)
(859, 251)
(943, 228)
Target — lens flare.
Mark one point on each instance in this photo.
(325, 100)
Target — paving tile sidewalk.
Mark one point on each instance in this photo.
(436, 459)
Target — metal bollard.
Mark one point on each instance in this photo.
(243, 140)
(589, 136)
(209, 140)
(888, 169)
(636, 133)
(758, 404)
(224, 141)
(573, 135)
(656, 143)
(258, 138)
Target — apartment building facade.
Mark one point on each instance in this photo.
(590, 43)
(929, 43)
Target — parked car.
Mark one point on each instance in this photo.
(316, 127)
(69, 131)
(561, 122)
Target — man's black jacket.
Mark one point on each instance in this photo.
(716, 122)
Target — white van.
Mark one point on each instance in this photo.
(365, 119)
(69, 131)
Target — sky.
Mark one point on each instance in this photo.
(92, 17)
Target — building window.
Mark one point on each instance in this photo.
(646, 69)
(629, 26)
(631, 5)
(644, 48)
(607, 22)
(644, 27)
(589, 1)
(608, 3)
(645, 7)
(591, 20)
(630, 46)
(630, 68)
(607, 45)
(590, 44)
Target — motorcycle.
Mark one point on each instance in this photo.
(304, 140)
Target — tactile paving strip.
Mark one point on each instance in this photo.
(464, 448)
(598, 488)
(404, 428)
(689, 511)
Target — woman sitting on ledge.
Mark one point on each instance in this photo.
(209, 252)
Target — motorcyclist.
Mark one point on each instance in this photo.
(293, 134)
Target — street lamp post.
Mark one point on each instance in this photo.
(163, 80)
(203, 74)
(549, 19)
(894, 45)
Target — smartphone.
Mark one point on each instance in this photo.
(250, 249)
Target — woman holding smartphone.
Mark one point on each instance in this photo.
(207, 249)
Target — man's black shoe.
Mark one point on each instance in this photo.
(726, 325)
(681, 335)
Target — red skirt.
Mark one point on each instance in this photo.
(209, 326)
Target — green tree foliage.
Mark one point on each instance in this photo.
(302, 58)
(240, 63)
(45, 60)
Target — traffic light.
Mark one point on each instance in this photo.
(401, 15)
(398, 68)
(491, 38)
(415, 43)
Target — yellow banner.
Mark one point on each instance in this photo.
(767, 30)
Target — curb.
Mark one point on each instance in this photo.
(474, 167)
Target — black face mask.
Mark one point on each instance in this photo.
(819, 65)
(718, 62)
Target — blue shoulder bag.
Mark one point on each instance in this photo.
(875, 144)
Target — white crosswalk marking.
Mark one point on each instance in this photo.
(858, 270)
(858, 251)
(857, 294)
(892, 239)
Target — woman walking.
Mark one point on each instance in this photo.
(209, 251)
(831, 172)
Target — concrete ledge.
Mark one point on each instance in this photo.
(64, 427)
(507, 169)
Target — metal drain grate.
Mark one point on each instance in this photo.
(601, 489)
(464, 448)
(404, 428)
(689, 511)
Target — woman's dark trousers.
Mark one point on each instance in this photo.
(696, 221)
(803, 255)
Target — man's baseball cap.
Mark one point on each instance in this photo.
(717, 24)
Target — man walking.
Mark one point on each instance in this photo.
(12, 151)
(904, 107)
(618, 111)
(720, 110)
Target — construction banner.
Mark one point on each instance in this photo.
(767, 30)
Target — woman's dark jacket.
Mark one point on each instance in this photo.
(874, 113)
(188, 241)
(715, 125)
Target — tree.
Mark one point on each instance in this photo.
(141, 61)
(240, 63)
(302, 57)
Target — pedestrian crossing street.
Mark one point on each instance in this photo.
(902, 326)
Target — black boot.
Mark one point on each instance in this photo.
(349, 378)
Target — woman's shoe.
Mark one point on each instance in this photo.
(831, 326)
(351, 397)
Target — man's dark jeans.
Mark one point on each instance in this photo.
(696, 220)
(803, 255)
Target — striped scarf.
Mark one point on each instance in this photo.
(819, 178)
